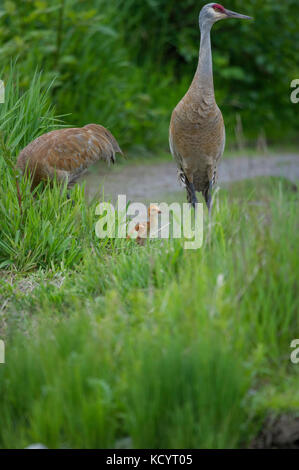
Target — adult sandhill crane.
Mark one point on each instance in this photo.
(66, 153)
(197, 132)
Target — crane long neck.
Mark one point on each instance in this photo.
(204, 74)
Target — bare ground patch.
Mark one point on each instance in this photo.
(148, 182)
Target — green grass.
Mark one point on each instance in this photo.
(175, 339)
(46, 231)
(40, 229)
(24, 115)
(109, 344)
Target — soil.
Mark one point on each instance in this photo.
(281, 432)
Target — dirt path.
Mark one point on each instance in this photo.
(140, 182)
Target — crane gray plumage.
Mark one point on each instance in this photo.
(197, 132)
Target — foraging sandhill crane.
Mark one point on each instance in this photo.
(142, 229)
(197, 132)
(66, 153)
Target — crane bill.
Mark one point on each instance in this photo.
(233, 14)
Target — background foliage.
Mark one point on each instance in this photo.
(126, 63)
(103, 336)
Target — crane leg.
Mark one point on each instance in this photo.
(191, 195)
(69, 198)
(208, 197)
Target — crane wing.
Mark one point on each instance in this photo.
(68, 152)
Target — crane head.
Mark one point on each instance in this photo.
(213, 12)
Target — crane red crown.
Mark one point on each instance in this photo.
(218, 7)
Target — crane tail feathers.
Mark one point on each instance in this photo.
(107, 142)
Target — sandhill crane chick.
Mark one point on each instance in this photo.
(142, 229)
(197, 133)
